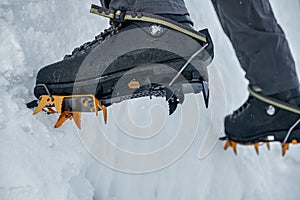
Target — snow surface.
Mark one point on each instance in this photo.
(40, 162)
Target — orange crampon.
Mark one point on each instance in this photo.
(81, 103)
(233, 144)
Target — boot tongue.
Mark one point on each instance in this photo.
(291, 96)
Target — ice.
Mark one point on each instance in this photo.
(40, 162)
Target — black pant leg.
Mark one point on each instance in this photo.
(259, 42)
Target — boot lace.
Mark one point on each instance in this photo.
(113, 29)
(243, 107)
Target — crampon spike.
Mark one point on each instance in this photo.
(230, 143)
(77, 119)
(284, 147)
(256, 146)
(227, 145)
(44, 101)
(76, 116)
(62, 118)
(104, 110)
(205, 93)
(233, 145)
(58, 100)
(268, 144)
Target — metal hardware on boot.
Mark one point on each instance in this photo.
(271, 110)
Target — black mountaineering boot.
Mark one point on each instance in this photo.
(140, 55)
(265, 119)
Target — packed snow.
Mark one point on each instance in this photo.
(40, 162)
